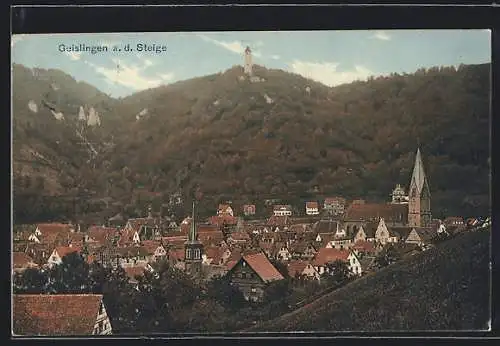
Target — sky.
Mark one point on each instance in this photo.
(329, 57)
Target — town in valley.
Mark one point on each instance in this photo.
(178, 268)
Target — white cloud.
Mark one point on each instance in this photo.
(234, 46)
(167, 76)
(326, 72)
(275, 57)
(381, 35)
(130, 76)
(73, 55)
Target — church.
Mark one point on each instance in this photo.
(419, 203)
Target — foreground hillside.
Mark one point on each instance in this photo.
(285, 137)
(446, 288)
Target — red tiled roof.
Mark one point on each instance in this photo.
(223, 220)
(261, 265)
(51, 315)
(230, 264)
(150, 246)
(215, 253)
(134, 271)
(47, 228)
(327, 255)
(101, 234)
(371, 211)
(176, 254)
(278, 220)
(295, 267)
(332, 200)
(312, 205)
(239, 236)
(364, 246)
(21, 260)
(65, 250)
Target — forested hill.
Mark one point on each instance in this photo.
(286, 137)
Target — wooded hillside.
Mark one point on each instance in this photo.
(233, 139)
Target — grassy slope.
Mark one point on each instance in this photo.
(446, 288)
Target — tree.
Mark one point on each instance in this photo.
(387, 256)
(71, 276)
(221, 290)
(337, 272)
(30, 281)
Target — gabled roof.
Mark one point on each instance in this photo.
(52, 315)
(296, 267)
(262, 267)
(66, 250)
(327, 255)
(47, 228)
(425, 233)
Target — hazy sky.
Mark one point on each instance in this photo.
(330, 57)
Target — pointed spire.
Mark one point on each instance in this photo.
(192, 233)
(418, 176)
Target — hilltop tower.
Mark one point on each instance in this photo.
(248, 62)
(419, 204)
(193, 249)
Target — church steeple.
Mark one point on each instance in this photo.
(193, 249)
(419, 209)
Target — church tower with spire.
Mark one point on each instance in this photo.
(193, 249)
(419, 204)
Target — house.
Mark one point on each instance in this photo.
(312, 208)
(329, 255)
(334, 205)
(302, 250)
(384, 234)
(60, 315)
(238, 238)
(225, 209)
(51, 233)
(251, 273)
(399, 196)
(155, 249)
(102, 235)
(59, 252)
(393, 214)
(22, 261)
(249, 209)
(421, 236)
(133, 255)
(366, 233)
(282, 210)
(302, 269)
(280, 252)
